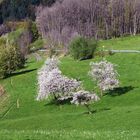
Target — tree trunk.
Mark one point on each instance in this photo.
(101, 93)
(135, 25)
(89, 111)
(54, 96)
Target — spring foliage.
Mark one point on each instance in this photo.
(52, 82)
(10, 58)
(84, 98)
(105, 75)
(43, 73)
(82, 48)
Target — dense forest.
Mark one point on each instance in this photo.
(91, 18)
(59, 21)
(20, 9)
(98, 18)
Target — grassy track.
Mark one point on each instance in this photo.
(116, 118)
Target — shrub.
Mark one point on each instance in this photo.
(92, 46)
(10, 59)
(22, 38)
(34, 31)
(82, 48)
(2, 40)
(84, 98)
(105, 75)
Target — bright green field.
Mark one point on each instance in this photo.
(116, 118)
(122, 43)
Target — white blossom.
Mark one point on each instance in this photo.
(50, 64)
(105, 75)
(84, 97)
(57, 85)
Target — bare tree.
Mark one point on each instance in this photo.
(89, 18)
(24, 42)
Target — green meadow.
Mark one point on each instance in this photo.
(116, 117)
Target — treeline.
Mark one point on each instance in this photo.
(20, 9)
(90, 18)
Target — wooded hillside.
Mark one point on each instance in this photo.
(20, 9)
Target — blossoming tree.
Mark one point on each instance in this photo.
(105, 75)
(49, 65)
(52, 82)
(84, 98)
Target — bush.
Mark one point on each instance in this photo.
(82, 48)
(22, 38)
(34, 31)
(10, 59)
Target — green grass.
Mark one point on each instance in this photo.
(122, 43)
(38, 44)
(13, 36)
(4, 104)
(116, 117)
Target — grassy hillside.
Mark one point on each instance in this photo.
(116, 117)
(122, 43)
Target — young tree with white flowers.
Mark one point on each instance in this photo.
(105, 75)
(84, 98)
(55, 84)
(43, 73)
(51, 82)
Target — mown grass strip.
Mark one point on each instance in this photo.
(69, 135)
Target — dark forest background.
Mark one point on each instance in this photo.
(91, 18)
(20, 9)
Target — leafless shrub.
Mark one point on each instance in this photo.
(24, 41)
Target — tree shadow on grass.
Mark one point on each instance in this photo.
(120, 91)
(96, 111)
(91, 113)
(30, 62)
(56, 102)
(104, 109)
(20, 73)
